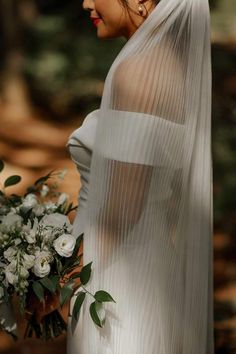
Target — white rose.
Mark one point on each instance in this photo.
(10, 253)
(64, 245)
(55, 220)
(11, 222)
(62, 199)
(29, 202)
(28, 260)
(41, 265)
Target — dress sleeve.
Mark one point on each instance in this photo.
(132, 147)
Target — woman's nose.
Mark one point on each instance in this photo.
(88, 5)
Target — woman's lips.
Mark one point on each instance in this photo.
(95, 20)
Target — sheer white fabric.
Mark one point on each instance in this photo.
(148, 226)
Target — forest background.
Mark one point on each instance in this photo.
(52, 71)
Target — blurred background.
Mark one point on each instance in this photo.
(52, 70)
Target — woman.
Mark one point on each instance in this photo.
(145, 205)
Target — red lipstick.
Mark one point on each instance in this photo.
(95, 20)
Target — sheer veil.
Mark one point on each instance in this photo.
(149, 221)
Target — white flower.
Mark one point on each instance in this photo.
(29, 202)
(55, 220)
(17, 241)
(44, 191)
(29, 231)
(31, 237)
(10, 253)
(64, 245)
(47, 234)
(62, 199)
(42, 266)
(23, 273)
(11, 222)
(38, 210)
(28, 260)
(33, 250)
(10, 272)
(4, 210)
(11, 277)
(50, 207)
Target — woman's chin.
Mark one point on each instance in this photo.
(103, 33)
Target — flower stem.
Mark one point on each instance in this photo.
(88, 291)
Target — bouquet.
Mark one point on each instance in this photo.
(39, 260)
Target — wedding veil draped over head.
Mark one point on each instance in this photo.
(149, 219)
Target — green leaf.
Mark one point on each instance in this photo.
(77, 245)
(66, 293)
(94, 309)
(43, 179)
(14, 198)
(85, 273)
(12, 180)
(48, 284)
(77, 305)
(75, 275)
(55, 279)
(103, 296)
(1, 165)
(38, 290)
(71, 264)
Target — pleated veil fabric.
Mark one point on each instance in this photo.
(149, 221)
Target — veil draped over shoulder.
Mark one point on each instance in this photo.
(149, 221)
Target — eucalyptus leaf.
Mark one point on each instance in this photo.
(12, 180)
(48, 284)
(85, 273)
(66, 293)
(1, 165)
(38, 290)
(77, 305)
(103, 296)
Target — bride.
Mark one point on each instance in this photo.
(145, 203)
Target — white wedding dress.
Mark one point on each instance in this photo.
(145, 204)
(132, 321)
(131, 331)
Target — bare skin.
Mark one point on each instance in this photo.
(114, 20)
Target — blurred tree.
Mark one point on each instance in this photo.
(63, 63)
(224, 133)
